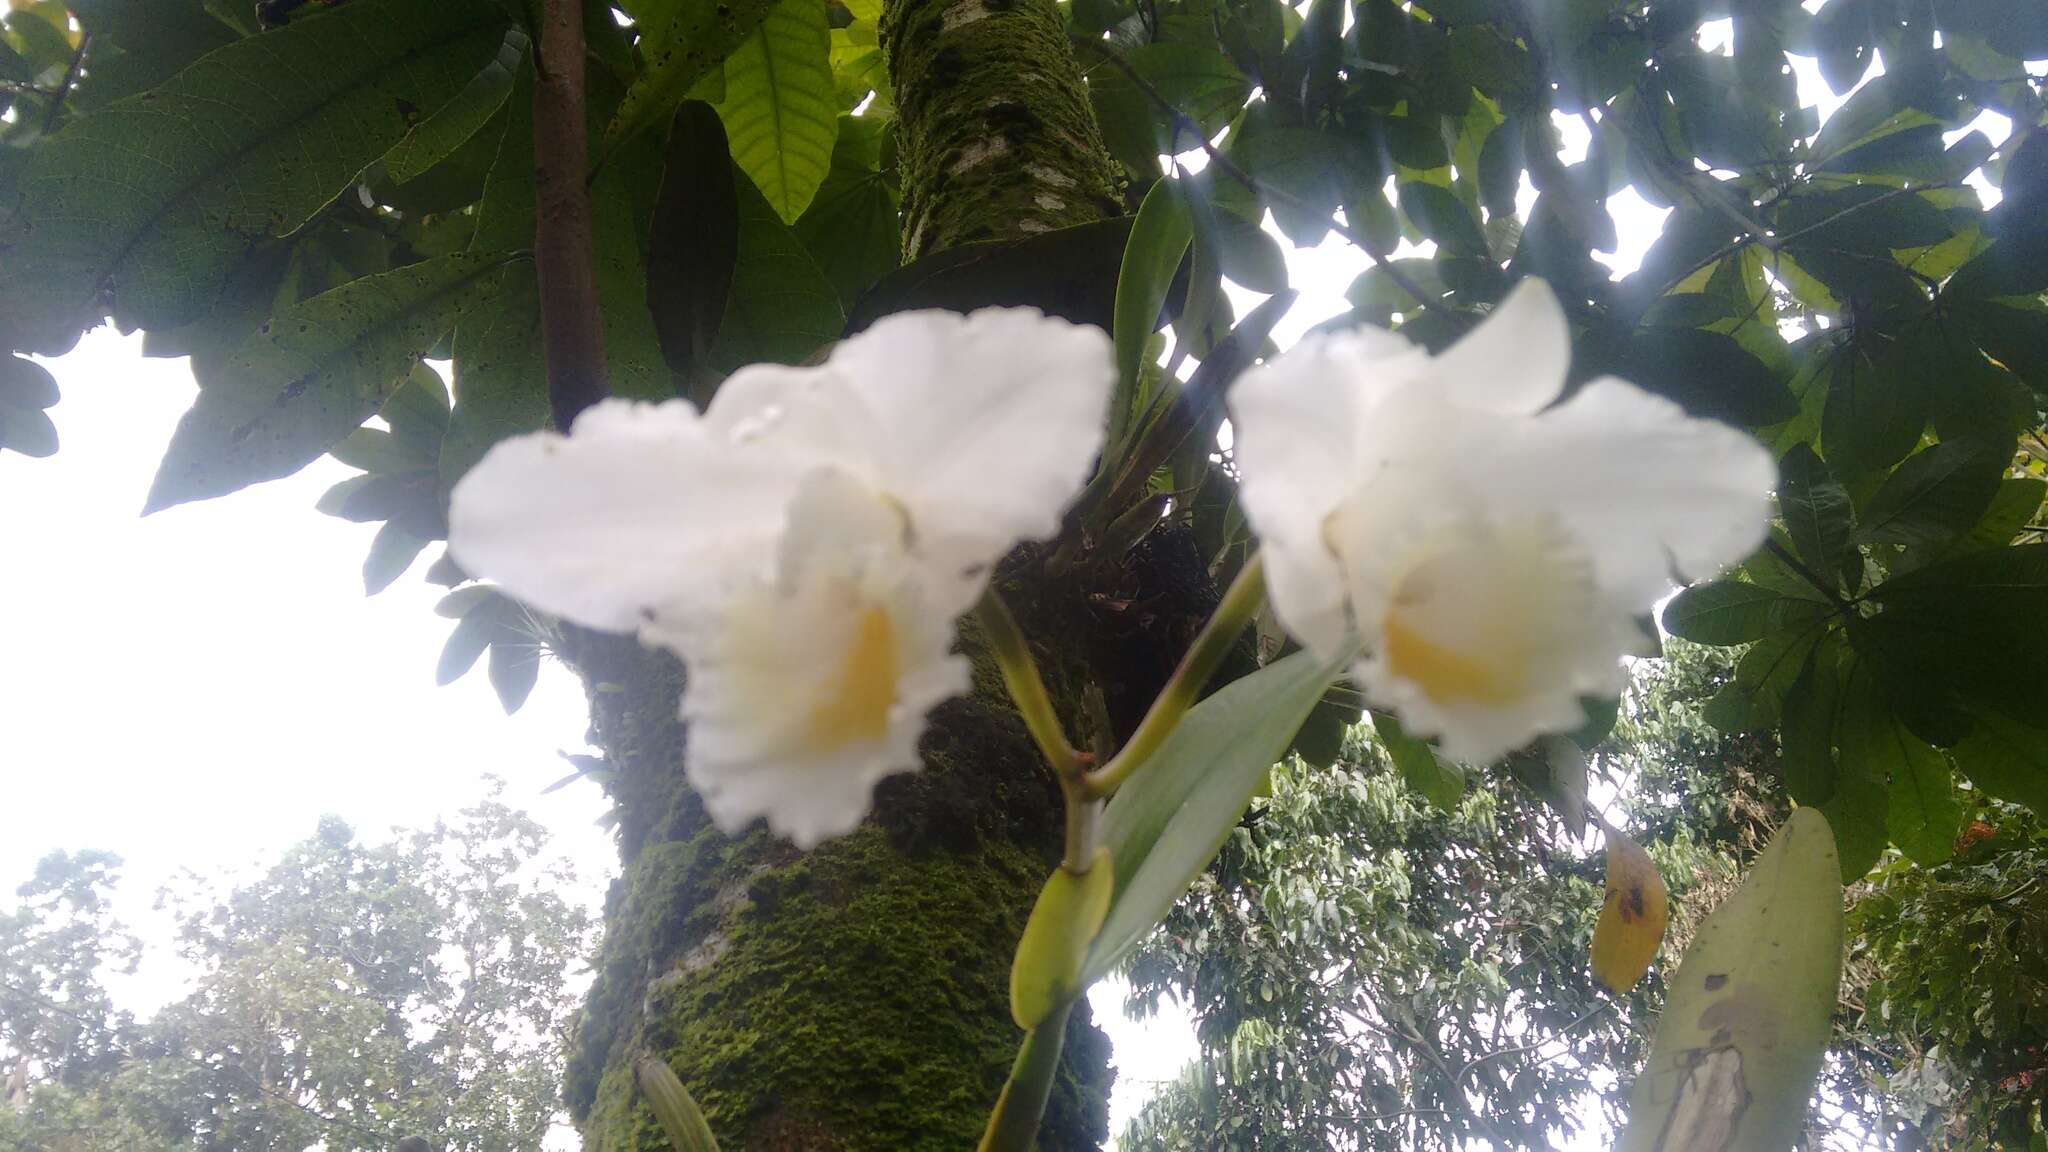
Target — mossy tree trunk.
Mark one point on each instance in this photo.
(856, 997)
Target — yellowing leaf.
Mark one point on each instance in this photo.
(1746, 1025)
(779, 111)
(1632, 918)
(1069, 912)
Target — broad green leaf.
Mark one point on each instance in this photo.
(1876, 407)
(392, 551)
(500, 375)
(155, 199)
(1817, 513)
(438, 136)
(1634, 910)
(1935, 494)
(2016, 505)
(1745, 1024)
(1711, 375)
(515, 668)
(26, 384)
(851, 226)
(1722, 612)
(1046, 972)
(418, 412)
(1807, 734)
(1250, 256)
(376, 450)
(1159, 239)
(1754, 697)
(1765, 567)
(693, 245)
(314, 374)
(1976, 624)
(1441, 217)
(139, 44)
(1924, 815)
(1304, 175)
(1878, 109)
(1921, 814)
(619, 211)
(781, 307)
(1189, 76)
(1437, 780)
(504, 215)
(1868, 219)
(674, 1108)
(473, 633)
(682, 42)
(29, 431)
(2016, 337)
(1166, 823)
(779, 112)
(1196, 80)
(2007, 759)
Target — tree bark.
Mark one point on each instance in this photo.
(856, 997)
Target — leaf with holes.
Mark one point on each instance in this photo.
(313, 374)
(155, 199)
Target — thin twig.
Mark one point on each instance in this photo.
(64, 89)
(1741, 242)
(572, 327)
(1184, 122)
(1606, 1006)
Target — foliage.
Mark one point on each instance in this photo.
(350, 994)
(1355, 952)
(1938, 1037)
(1888, 618)
(1954, 1016)
(58, 1023)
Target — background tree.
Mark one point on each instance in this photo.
(58, 1024)
(1356, 946)
(349, 995)
(308, 199)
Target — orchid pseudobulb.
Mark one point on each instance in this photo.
(805, 543)
(1484, 546)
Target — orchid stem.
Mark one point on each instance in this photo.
(1013, 1126)
(1246, 596)
(1027, 688)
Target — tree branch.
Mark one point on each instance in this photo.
(64, 88)
(572, 328)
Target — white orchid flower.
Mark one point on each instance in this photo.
(1485, 548)
(806, 542)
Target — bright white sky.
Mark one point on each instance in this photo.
(194, 690)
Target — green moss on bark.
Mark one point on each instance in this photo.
(996, 134)
(850, 934)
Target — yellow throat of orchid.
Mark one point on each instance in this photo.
(1476, 609)
(860, 693)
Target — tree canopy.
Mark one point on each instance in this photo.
(351, 994)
